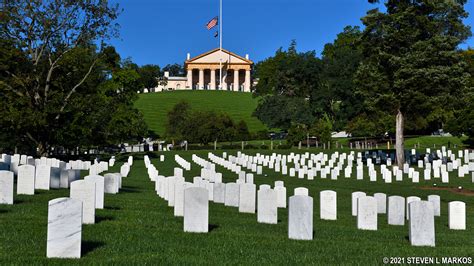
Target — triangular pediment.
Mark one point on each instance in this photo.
(214, 56)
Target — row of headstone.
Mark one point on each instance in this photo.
(66, 215)
(278, 163)
(182, 162)
(420, 214)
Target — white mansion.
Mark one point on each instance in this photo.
(203, 73)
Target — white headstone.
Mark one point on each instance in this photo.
(281, 196)
(355, 196)
(171, 182)
(367, 213)
(179, 186)
(410, 200)
(196, 210)
(301, 191)
(436, 200)
(267, 209)
(328, 205)
(99, 189)
(232, 194)
(300, 217)
(219, 192)
(26, 180)
(85, 191)
(381, 202)
(6, 187)
(64, 228)
(111, 183)
(421, 223)
(247, 198)
(396, 210)
(457, 215)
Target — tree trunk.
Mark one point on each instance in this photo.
(42, 150)
(399, 140)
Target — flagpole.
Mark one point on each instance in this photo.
(220, 44)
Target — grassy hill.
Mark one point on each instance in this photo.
(238, 105)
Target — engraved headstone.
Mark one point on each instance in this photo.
(367, 213)
(64, 228)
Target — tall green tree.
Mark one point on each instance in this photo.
(176, 119)
(463, 122)
(149, 75)
(60, 84)
(412, 68)
(288, 82)
(337, 95)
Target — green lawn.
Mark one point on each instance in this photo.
(137, 227)
(238, 105)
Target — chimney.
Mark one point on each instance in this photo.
(247, 56)
(189, 56)
(167, 74)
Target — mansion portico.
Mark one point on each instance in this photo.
(203, 72)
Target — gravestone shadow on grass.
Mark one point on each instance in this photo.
(129, 190)
(114, 208)
(99, 219)
(213, 227)
(89, 246)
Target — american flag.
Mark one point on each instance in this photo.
(212, 23)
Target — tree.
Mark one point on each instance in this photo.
(287, 82)
(44, 38)
(463, 122)
(202, 127)
(242, 131)
(296, 133)
(288, 73)
(337, 96)
(65, 97)
(411, 67)
(322, 129)
(175, 70)
(149, 75)
(177, 118)
(278, 111)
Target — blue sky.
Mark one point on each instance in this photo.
(163, 31)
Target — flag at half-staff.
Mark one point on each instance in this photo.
(212, 23)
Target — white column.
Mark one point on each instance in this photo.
(201, 79)
(190, 79)
(213, 79)
(247, 81)
(236, 80)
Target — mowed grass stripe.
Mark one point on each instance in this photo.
(238, 105)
